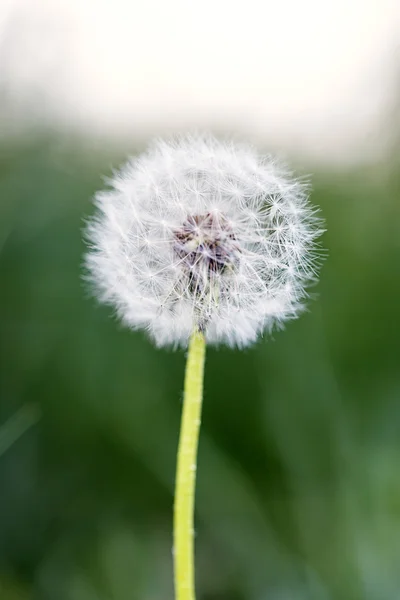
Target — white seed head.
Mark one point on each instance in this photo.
(196, 233)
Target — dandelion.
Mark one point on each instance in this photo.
(197, 242)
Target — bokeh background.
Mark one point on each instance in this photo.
(299, 483)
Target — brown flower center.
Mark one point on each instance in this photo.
(206, 247)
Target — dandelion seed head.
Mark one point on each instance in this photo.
(198, 233)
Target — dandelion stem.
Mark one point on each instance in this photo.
(186, 470)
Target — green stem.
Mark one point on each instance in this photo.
(186, 470)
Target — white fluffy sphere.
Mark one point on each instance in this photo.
(196, 233)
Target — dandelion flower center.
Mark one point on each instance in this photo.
(206, 246)
(207, 249)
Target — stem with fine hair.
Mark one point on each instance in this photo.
(186, 470)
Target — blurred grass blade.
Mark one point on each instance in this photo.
(11, 431)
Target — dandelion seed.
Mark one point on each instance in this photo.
(197, 233)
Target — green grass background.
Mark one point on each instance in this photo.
(299, 466)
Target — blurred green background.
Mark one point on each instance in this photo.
(298, 492)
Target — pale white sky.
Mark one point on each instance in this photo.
(312, 76)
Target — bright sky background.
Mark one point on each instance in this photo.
(313, 76)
